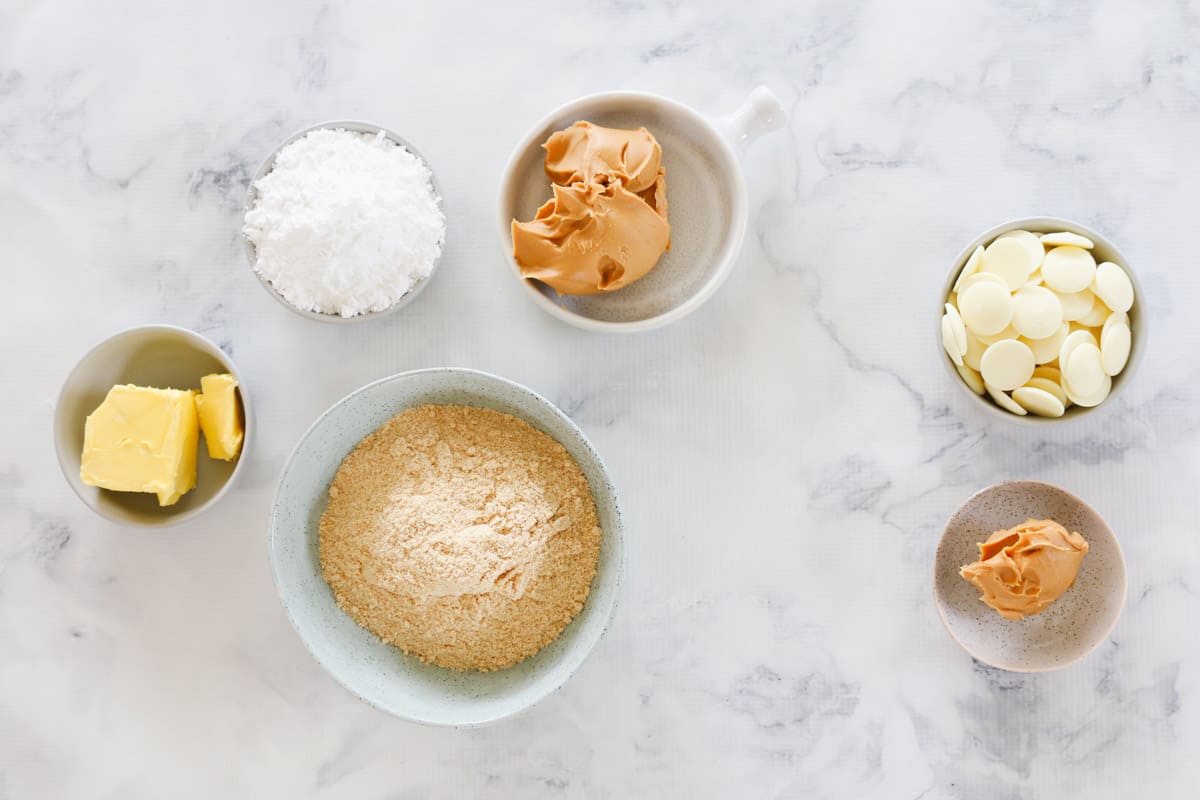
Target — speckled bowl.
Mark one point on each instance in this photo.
(162, 356)
(379, 673)
(1073, 626)
(1104, 250)
(268, 164)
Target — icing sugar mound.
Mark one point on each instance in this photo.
(345, 222)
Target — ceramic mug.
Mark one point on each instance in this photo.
(706, 194)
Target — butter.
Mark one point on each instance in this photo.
(142, 440)
(220, 416)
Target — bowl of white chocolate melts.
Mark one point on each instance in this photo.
(1041, 319)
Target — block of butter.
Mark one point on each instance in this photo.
(142, 440)
(220, 416)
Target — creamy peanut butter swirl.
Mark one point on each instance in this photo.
(1024, 569)
(606, 225)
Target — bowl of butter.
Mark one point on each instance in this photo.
(151, 426)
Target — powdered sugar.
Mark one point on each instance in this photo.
(345, 222)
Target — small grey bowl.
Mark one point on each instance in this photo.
(1104, 250)
(1073, 626)
(379, 673)
(268, 164)
(161, 356)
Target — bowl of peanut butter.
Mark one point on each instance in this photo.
(1028, 577)
(625, 211)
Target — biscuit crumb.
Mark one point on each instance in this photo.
(461, 535)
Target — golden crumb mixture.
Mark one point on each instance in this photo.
(461, 535)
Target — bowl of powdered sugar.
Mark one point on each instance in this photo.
(344, 222)
(448, 545)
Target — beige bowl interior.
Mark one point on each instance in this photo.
(161, 356)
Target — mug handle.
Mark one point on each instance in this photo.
(760, 113)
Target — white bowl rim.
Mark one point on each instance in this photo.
(618, 539)
(248, 425)
(1075, 413)
(1120, 559)
(268, 164)
(733, 244)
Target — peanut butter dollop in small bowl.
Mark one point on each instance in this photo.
(583, 208)
(1028, 577)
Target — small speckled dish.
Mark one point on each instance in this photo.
(1104, 250)
(379, 673)
(706, 195)
(269, 163)
(165, 357)
(1073, 626)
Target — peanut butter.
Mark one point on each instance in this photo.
(606, 225)
(1024, 569)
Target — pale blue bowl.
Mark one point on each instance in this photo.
(380, 673)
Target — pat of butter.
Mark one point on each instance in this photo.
(220, 417)
(142, 440)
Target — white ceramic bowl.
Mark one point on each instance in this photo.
(379, 673)
(268, 164)
(1104, 250)
(1074, 625)
(162, 356)
(706, 193)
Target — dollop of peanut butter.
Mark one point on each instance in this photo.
(606, 225)
(1024, 569)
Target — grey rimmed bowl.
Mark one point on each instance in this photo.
(268, 164)
(161, 356)
(1104, 250)
(381, 674)
(1078, 622)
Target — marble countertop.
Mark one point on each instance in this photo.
(786, 456)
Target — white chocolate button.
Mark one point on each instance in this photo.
(1067, 238)
(1074, 339)
(1049, 373)
(1008, 333)
(1114, 287)
(1011, 260)
(969, 269)
(1047, 385)
(1047, 349)
(1115, 318)
(1032, 244)
(1039, 401)
(950, 341)
(1005, 402)
(971, 378)
(1007, 364)
(1068, 269)
(975, 348)
(1083, 373)
(1096, 317)
(960, 330)
(1076, 305)
(1036, 312)
(986, 308)
(1092, 400)
(1115, 344)
(980, 277)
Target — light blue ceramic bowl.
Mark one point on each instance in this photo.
(379, 673)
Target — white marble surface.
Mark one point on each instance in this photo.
(786, 456)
